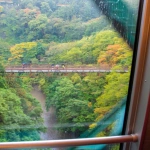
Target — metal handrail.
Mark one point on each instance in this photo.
(71, 142)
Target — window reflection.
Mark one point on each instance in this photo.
(64, 68)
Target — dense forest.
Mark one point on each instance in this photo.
(56, 32)
(19, 112)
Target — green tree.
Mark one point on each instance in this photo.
(23, 52)
(12, 117)
(114, 91)
(45, 8)
(73, 56)
(38, 26)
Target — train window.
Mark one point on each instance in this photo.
(65, 68)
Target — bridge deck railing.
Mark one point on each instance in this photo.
(47, 67)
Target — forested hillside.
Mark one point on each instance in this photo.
(44, 23)
(66, 32)
(20, 118)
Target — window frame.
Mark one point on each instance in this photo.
(140, 92)
(140, 87)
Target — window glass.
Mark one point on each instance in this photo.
(65, 68)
